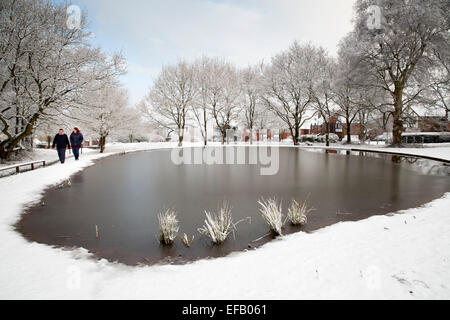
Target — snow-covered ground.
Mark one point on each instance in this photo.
(37, 154)
(48, 155)
(440, 151)
(406, 255)
(51, 156)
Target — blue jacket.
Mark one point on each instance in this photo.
(76, 140)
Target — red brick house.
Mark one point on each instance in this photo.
(423, 120)
(337, 126)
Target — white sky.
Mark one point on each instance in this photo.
(151, 33)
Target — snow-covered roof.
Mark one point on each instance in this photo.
(422, 111)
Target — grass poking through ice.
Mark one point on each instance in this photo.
(298, 213)
(219, 226)
(168, 227)
(186, 240)
(272, 214)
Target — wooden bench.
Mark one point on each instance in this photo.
(20, 165)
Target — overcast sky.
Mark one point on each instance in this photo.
(151, 33)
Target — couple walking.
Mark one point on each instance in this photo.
(61, 143)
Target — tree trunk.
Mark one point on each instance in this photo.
(32, 142)
(397, 129)
(327, 134)
(7, 146)
(102, 144)
(205, 123)
(205, 138)
(349, 132)
(2, 155)
(180, 137)
(297, 135)
(362, 132)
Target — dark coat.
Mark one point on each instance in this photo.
(76, 140)
(61, 141)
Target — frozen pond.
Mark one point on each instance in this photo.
(123, 194)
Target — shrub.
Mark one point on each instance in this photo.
(168, 227)
(334, 138)
(219, 226)
(298, 214)
(272, 214)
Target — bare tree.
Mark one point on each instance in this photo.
(250, 79)
(440, 81)
(287, 86)
(106, 113)
(171, 98)
(223, 95)
(346, 89)
(200, 107)
(321, 90)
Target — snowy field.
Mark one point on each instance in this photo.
(403, 256)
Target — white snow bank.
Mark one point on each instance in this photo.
(437, 151)
(50, 156)
(36, 154)
(403, 256)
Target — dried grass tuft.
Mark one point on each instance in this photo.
(272, 213)
(298, 213)
(186, 240)
(219, 226)
(168, 227)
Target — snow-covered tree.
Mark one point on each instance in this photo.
(287, 82)
(251, 99)
(321, 89)
(105, 113)
(439, 90)
(401, 47)
(200, 107)
(171, 98)
(347, 85)
(44, 66)
(223, 95)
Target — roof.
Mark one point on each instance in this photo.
(422, 111)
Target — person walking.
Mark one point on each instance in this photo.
(76, 140)
(61, 142)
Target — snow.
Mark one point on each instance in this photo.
(440, 151)
(406, 255)
(37, 154)
(437, 152)
(50, 156)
